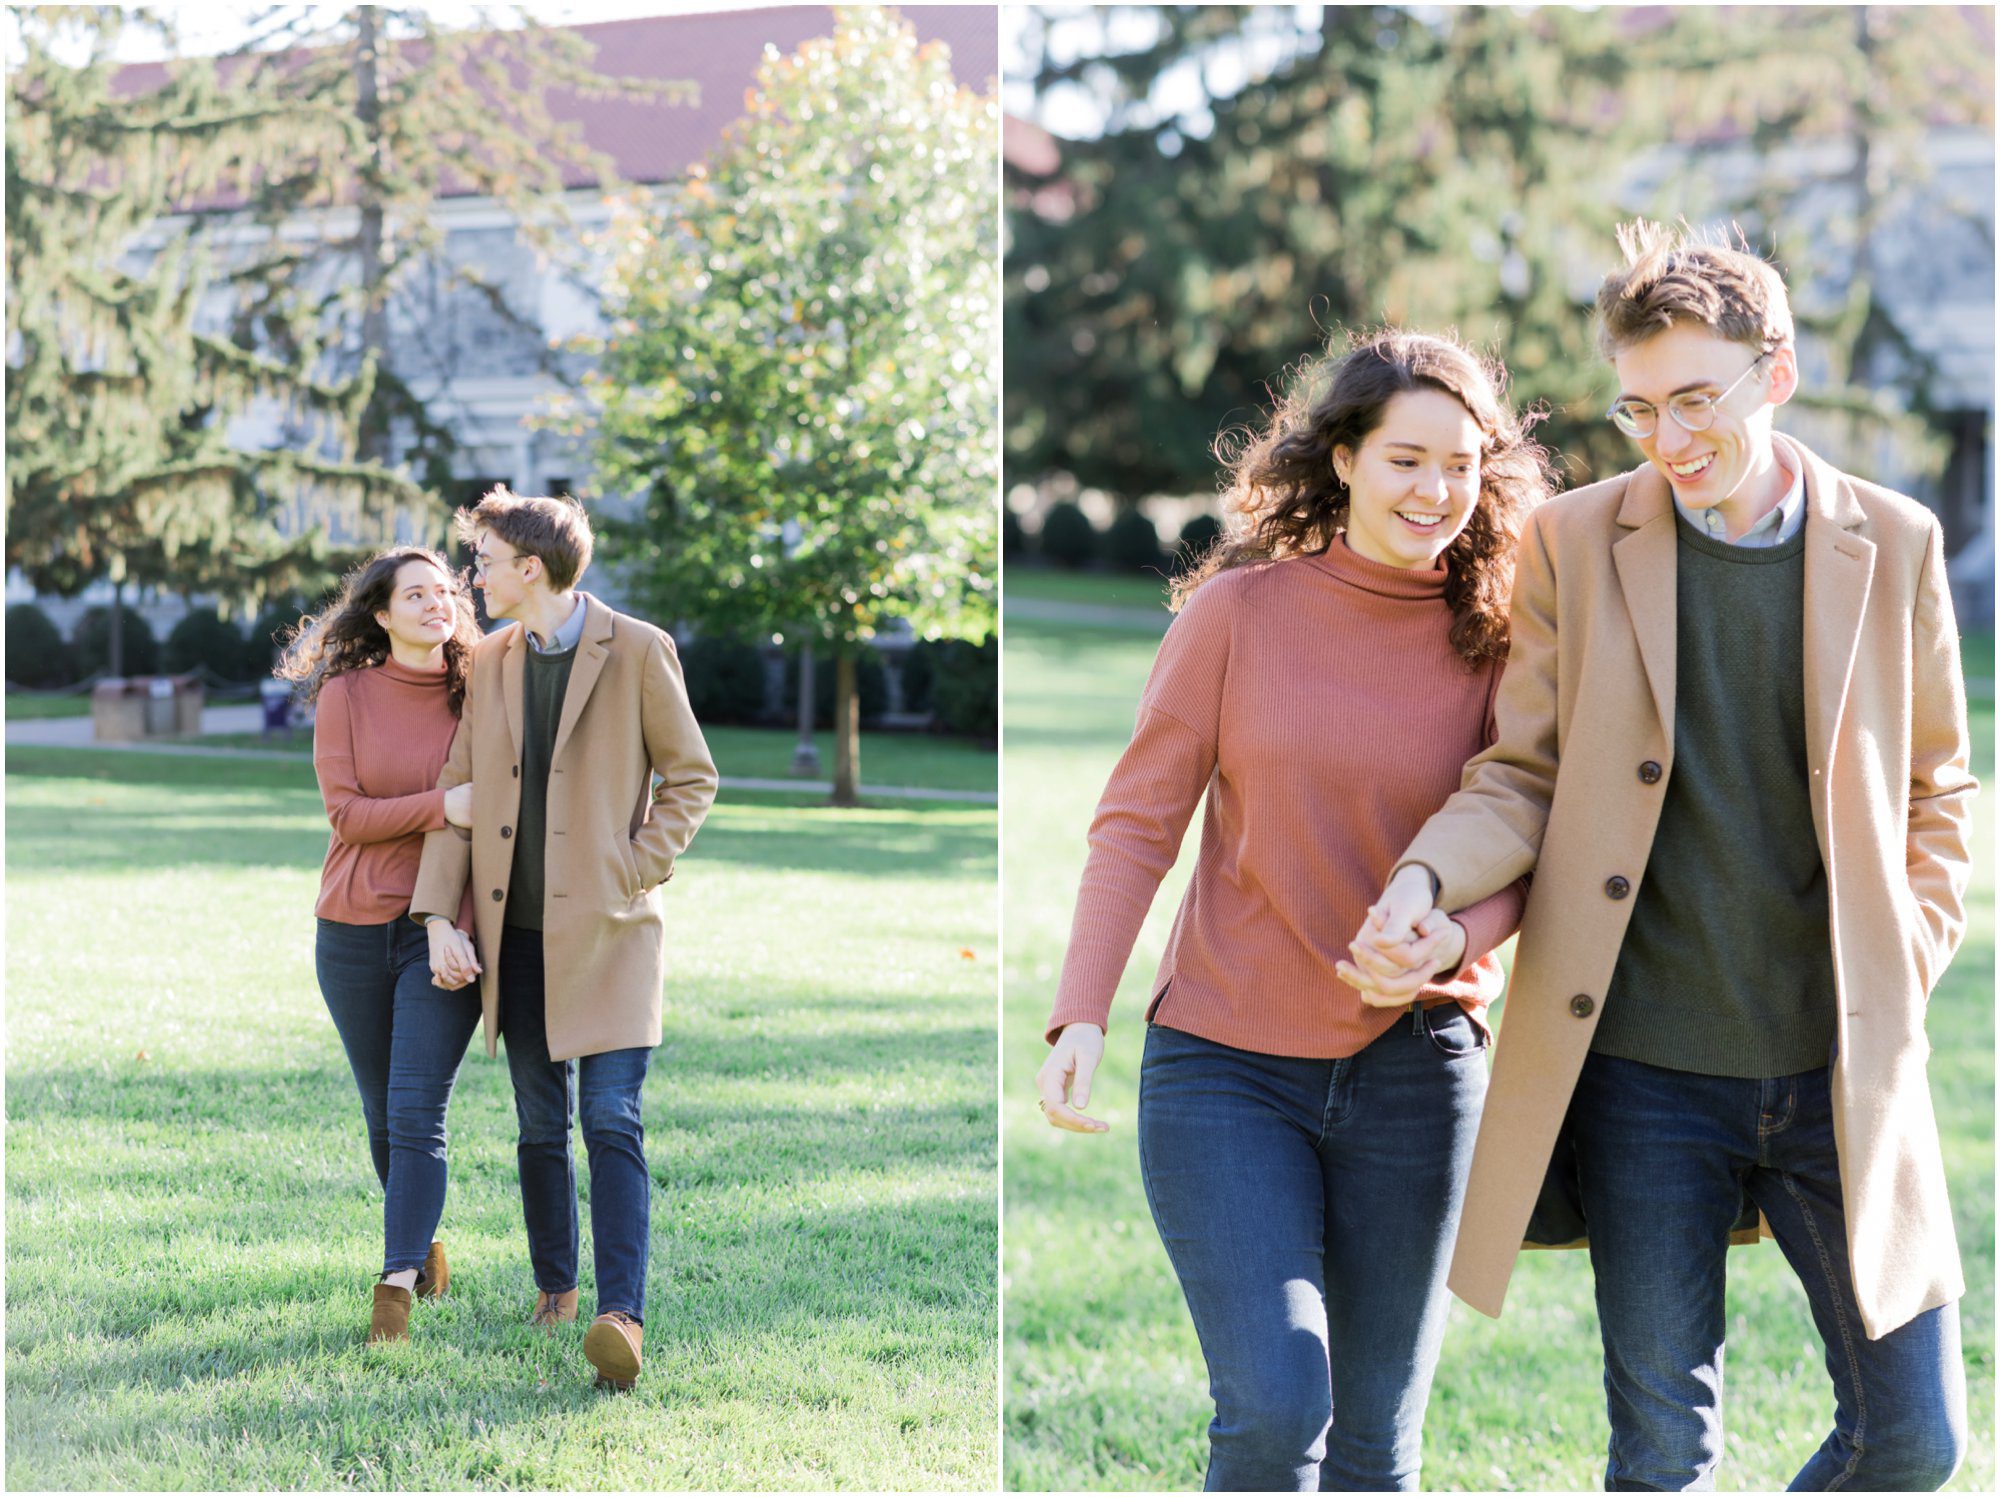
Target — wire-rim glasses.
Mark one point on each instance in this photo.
(1694, 410)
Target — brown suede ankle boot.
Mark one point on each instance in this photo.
(552, 1310)
(612, 1346)
(435, 1276)
(391, 1318)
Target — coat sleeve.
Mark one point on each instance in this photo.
(1490, 832)
(447, 860)
(1144, 811)
(1937, 852)
(684, 782)
(357, 818)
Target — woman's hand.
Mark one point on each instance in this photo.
(458, 805)
(453, 961)
(1064, 1079)
(1389, 974)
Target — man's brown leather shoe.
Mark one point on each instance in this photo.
(391, 1318)
(552, 1310)
(612, 1345)
(435, 1276)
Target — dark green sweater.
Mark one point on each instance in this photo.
(544, 680)
(1727, 968)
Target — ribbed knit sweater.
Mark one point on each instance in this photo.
(1319, 704)
(380, 737)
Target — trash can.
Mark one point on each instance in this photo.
(276, 696)
(118, 710)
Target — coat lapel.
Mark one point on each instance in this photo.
(1840, 565)
(512, 696)
(1646, 558)
(592, 651)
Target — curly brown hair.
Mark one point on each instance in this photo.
(344, 636)
(1281, 496)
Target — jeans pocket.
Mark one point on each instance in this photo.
(1452, 1033)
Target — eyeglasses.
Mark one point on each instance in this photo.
(1694, 411)
(480, 563)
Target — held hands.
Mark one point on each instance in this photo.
(1403, 944)
(1064, 1079)
(453, 962)
(458, 805)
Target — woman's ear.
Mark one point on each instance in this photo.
(1343, 463)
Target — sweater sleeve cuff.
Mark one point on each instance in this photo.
(1489, 922)
(1076, 1010)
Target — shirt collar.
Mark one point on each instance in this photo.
(568, 632)
(1777, 527)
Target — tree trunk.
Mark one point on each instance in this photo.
(116, 665)
(372, 439)
(846, 729)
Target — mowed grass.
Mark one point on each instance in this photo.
(918, 760)
(193, 1225)
(1106, 1387)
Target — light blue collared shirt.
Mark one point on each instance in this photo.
(1777, 527)
(568, 632)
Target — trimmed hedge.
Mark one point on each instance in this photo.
(36, 653)
(725, 679)
(1013, 539)
(1132, 544)
(91, 644)
(965, 689)
(204, 638)
(1196, 537)
(1068, 538)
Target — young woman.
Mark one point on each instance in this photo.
(1331, 669)
(387, 663)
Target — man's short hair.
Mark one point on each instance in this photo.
(556, 530)
(1671, 276)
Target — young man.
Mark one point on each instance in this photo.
(570, 715)
(1732, 747)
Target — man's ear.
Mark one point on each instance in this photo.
(1783, 382)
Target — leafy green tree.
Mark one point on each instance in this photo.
(118, 403)
(799, 381)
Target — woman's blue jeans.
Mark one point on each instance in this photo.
(1665, 1160)
(603, 1091)
(405, 1038)
(1309, 1208)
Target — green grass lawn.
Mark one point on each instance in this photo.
(193, 1225)
(1125, 589)
(921, 760)
(1105, 1384)
(31, 706)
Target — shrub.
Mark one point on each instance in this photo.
(920, 674)
(205, 639)
(1196, 537)
(966, 689)
(91, 645)
(267, 632)
(1132, 544)
(36, 654)
(1013, 539)
(1068, 538)
(725, 679)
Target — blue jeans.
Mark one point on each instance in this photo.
(1665, 1160)
(1309, 1207)
(404, 1038)
(604, 1090)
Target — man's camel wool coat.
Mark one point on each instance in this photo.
(613, 834)
(1572, 789)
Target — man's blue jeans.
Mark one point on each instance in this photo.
(1665, 1160)
(405, 1038)
(604, 1091)
(1309, 1208)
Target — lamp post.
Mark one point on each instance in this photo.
(805, 757)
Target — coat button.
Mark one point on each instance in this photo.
(1583, 1005)
(506, 831)
(517, 771)
(1649, 772)
(497, 894)
(1616, 887)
